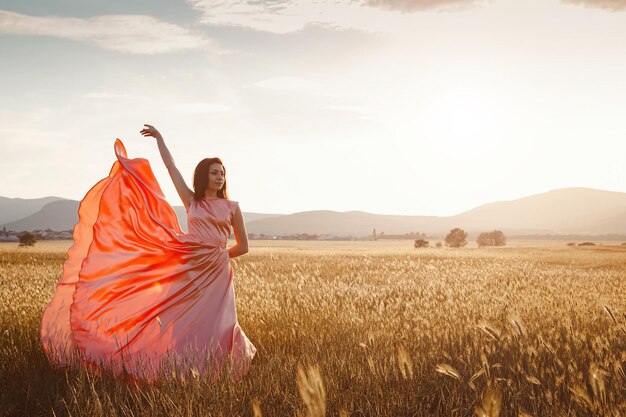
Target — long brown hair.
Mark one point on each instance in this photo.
(201, 178)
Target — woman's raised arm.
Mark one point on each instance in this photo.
(184, 192)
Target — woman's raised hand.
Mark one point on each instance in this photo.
(150, 131)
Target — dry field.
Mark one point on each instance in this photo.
(364, 329)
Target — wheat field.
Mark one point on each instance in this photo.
(363, 329)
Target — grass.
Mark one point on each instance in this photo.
(364, 329)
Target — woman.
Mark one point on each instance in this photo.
(138, 295)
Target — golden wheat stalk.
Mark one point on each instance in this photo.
(610, 313)
(405, 363)
(256, 408)
(312, 391)
(581, 395)
(596, 380)
(490, 331)
(492, 403)
(446, 369)
(517, 325)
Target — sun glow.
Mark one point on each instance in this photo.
(463, 120)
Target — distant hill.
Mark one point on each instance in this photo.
(62, 214)
(355, 223)
(562, 211)
(57, 215)
(566, 211)
(12, 209)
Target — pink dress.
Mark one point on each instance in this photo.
(139, 296)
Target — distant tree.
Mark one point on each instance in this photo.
(421, 243)
(438, 244)
(456, 238)
(495, 238)
(27, 239)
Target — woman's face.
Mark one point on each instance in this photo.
(216, 176)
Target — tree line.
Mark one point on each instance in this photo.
(457, 238)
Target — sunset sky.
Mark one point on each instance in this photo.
(425, 107)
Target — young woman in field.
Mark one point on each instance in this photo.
(139, 296)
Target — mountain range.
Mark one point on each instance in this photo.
(567, 211)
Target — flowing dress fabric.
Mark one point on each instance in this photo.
(137, 294)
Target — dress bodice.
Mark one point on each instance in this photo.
(210, 219)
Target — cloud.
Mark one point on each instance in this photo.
(182, 107)
(420, 5)
(294, 85)
(612, 5)
(134, 34)
(278, 16)
(199, 108)
(355, 108)
(104, 95)
(284, 16)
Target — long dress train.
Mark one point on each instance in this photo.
(139, 296)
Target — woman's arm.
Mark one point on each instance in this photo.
(241, 236)
(184, 192)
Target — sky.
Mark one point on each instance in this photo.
(415, 107)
